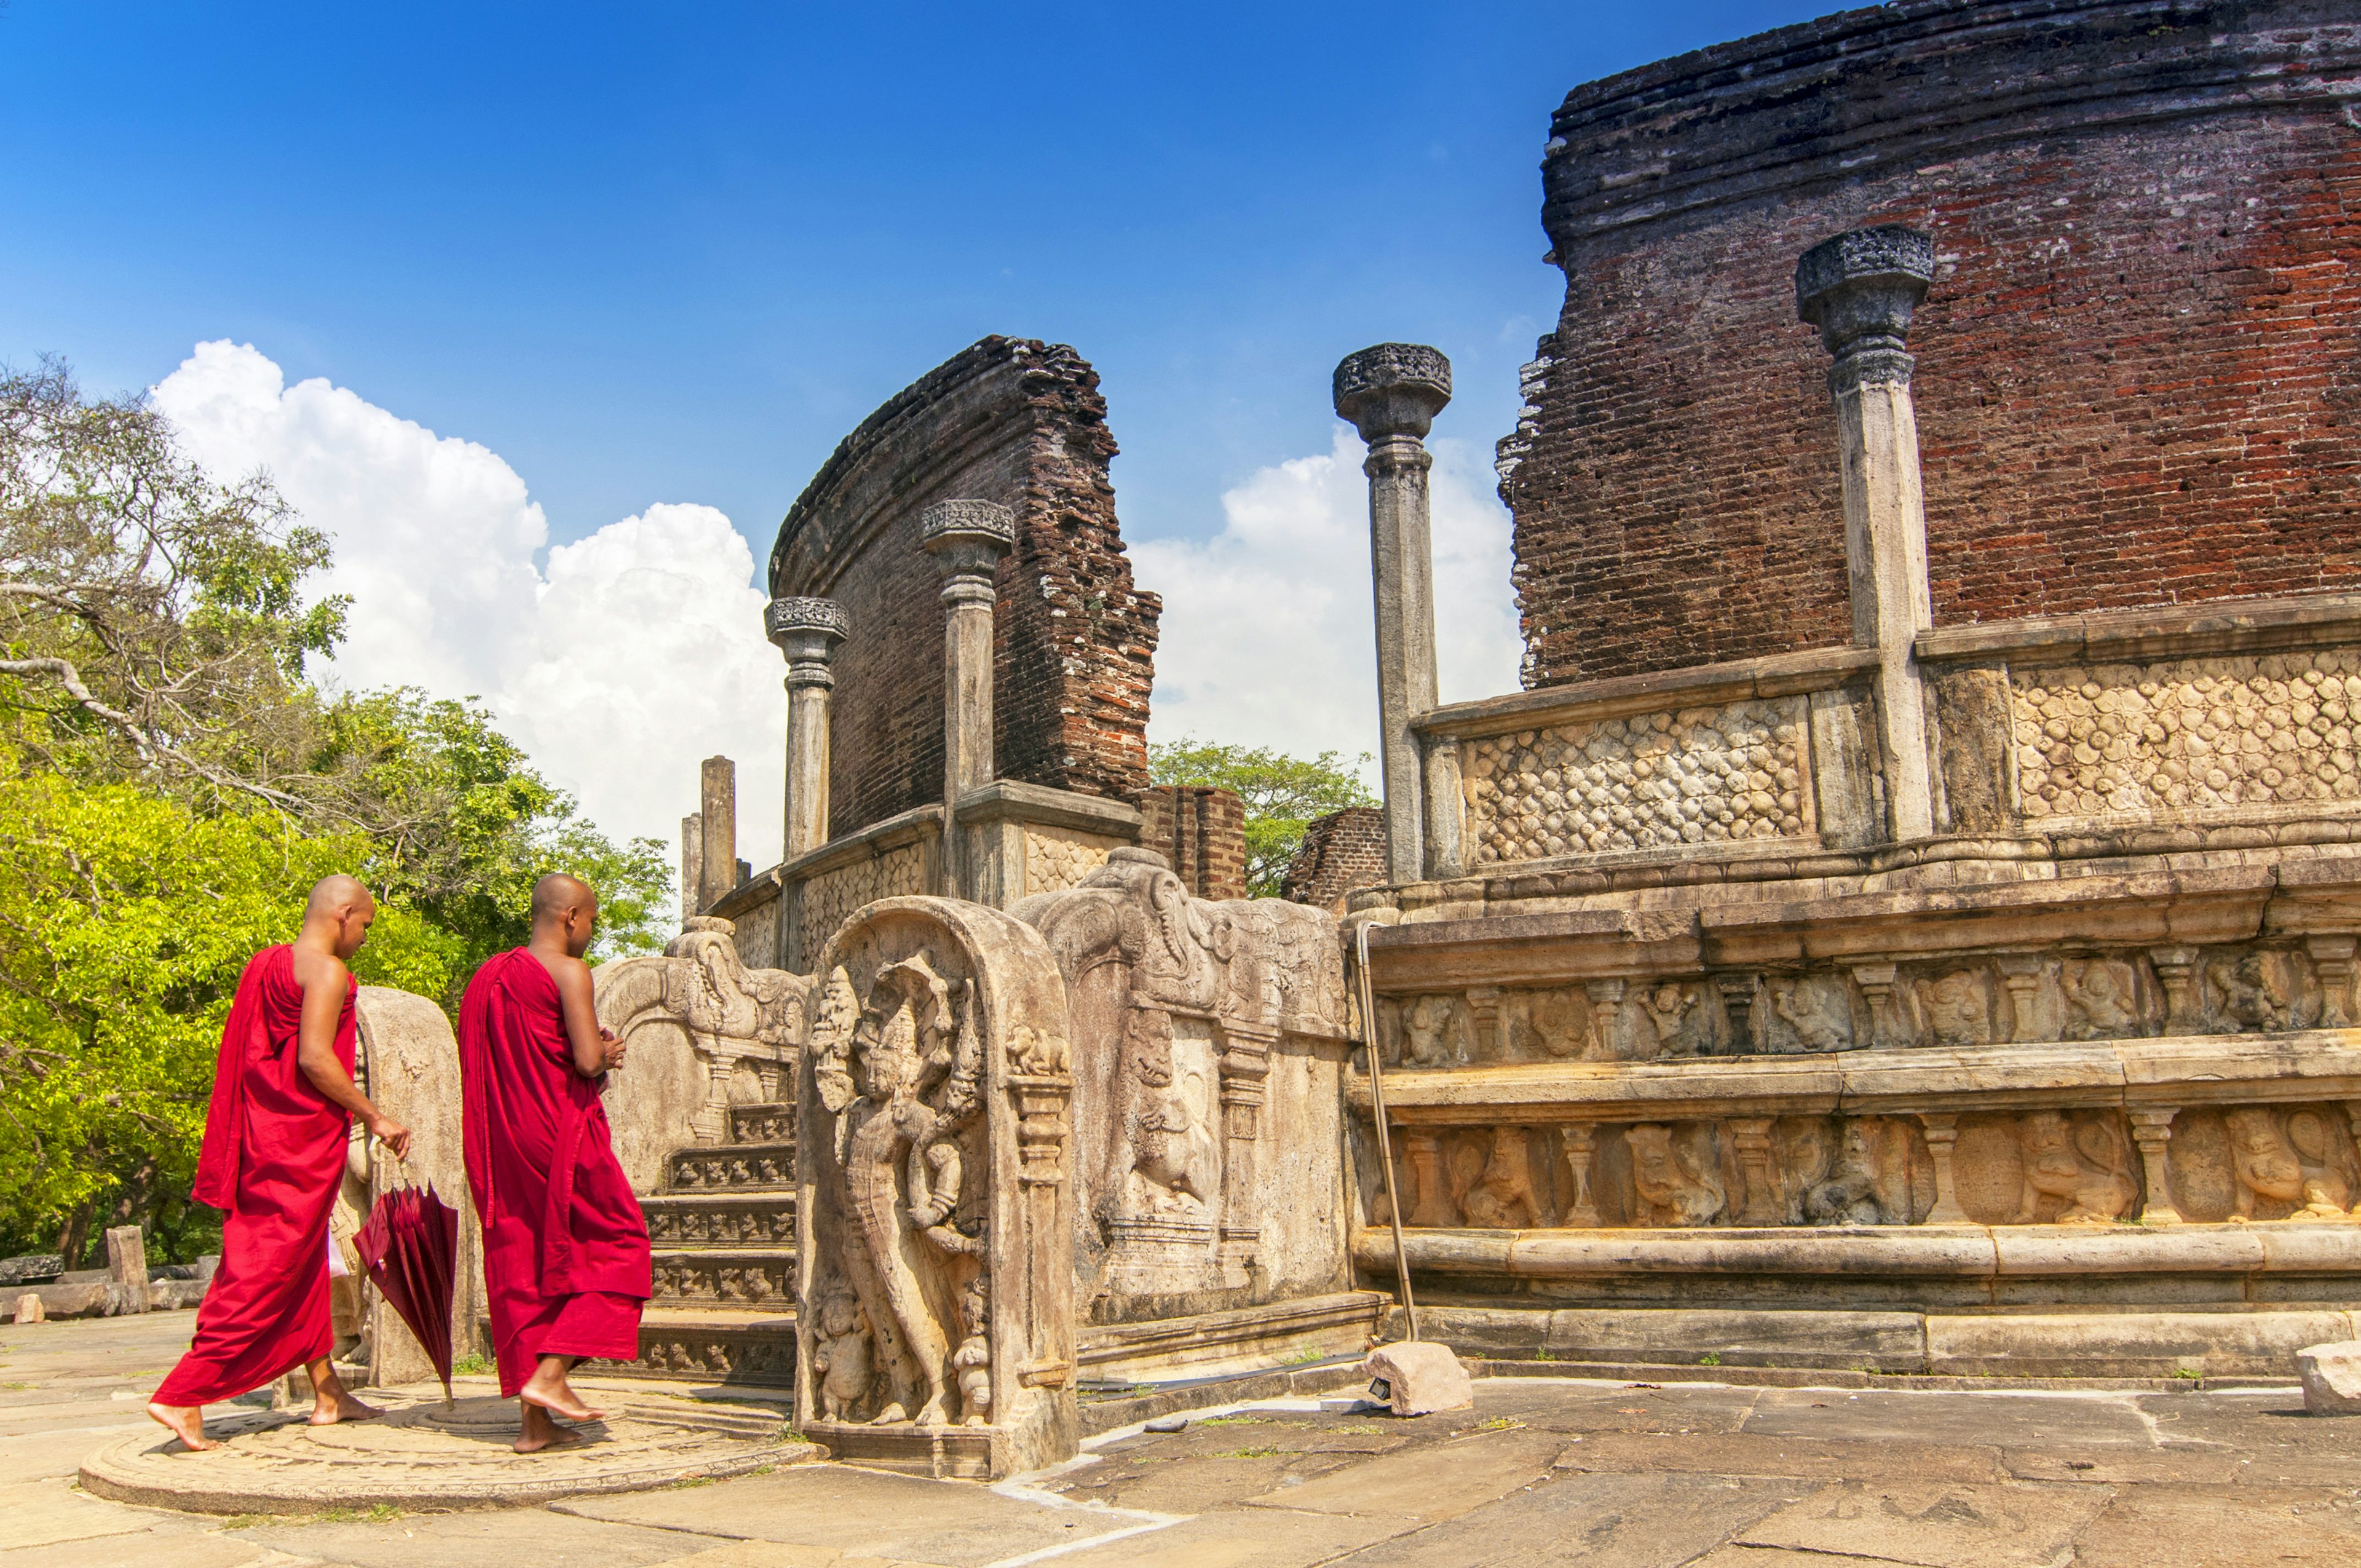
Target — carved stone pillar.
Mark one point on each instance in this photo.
(1943, 1131)
(2021, 974)
(2152, 1130)
(1738, 1002)
(1860, 290)
(1424, 1157)
(1581, 1149)
(807, 632)
(1484, 1015)
(1751, 1135)
(718, 840)
(2333, 957)
(2176, 970)
(1244, 1065)
(692, 865)
(1392, 394)
(1607, 1016)
(966, 540)
(1876, 983)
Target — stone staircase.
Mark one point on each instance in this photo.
(724, 1234)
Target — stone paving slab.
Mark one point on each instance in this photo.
(1940, 1525)
(864, 1513)
(2149, 1527)
(512, 1537)
(1600, 1521)
(1428, 1483)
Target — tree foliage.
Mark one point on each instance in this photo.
(1282, 793)
(171, 785)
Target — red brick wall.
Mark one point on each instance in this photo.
(1015, 421)
(1341, 851)
(1203, 831)
(2138, 368)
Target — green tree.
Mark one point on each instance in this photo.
(1282, 795)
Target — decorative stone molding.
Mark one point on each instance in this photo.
(801, 622)
(1860, 289)
(1393, 389)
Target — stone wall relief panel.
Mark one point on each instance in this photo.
(2187, 737)
(1058, 858)
(2245, 1163)
(935, 1236)
(1736, 773)
(827, 899)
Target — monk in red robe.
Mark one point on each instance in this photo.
(273, 1159)
(566, 1248)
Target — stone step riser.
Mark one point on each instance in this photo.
(737, 1282)
(763, 1124)
(767, 1225)
(765, 1357)
(730, 1167)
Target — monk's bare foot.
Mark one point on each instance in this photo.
(541, 1432)
(547, 1389)
(332, 1406)
(185, 1423)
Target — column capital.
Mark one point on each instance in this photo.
(967, 539)
(1393, 390)
(1860, 289)
(807, 632)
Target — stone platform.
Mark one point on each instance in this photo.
(421, 1455)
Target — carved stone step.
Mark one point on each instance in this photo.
(712, 1345)
(773, 1121)
(752, 1219)
(732, 1167)
(762, 1281)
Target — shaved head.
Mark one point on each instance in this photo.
(555, 893)
(335, 894)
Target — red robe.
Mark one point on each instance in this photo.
(273, 1159)
(566, 1249)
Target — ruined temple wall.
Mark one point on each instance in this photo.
(2137, 366)
(1011, 421)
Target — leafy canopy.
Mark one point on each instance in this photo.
(1282, 795)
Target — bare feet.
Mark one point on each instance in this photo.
(185, 1423)
(548, 1389)
(541, 1432)
(335, 1404)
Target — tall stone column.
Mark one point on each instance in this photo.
(1860, 290)
(1392, 394)
(717, 838)
(807, 632)
(966, 540)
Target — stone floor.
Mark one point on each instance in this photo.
(1541, 1472)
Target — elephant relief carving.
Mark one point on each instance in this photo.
(1672, 1182)
(2084, 1165)
(2267, 1167)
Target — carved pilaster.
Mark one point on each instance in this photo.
(1606, 1016)
(2152, 1130)
(1041, 1101)
(1943, 1131)
(1738, 1001)
(1876, 983)
(807, 632)
(967, 539)
(1581, 1151)
(1751, 1136)
(2021, 974)
(1424, 1155)
(2333, 957)
(2176, 970)
(1245, 1066)
(1484, 1014)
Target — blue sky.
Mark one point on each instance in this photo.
(676, 251)
(480, 283)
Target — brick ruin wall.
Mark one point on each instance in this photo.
(1203, 831)
(2139, 367)
(1341, 851)
(1010, 421)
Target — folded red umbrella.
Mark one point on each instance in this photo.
(409, 1245)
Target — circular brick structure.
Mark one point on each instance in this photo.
(2138, 363)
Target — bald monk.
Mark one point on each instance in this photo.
(273, 1159)
(566, 1248)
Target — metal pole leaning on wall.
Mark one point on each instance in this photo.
(1378, 1107)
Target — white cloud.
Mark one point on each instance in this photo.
(629, 656)
(1267, 634)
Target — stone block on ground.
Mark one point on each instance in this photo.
(30, 1310)
(2332, 1378)
(1419, 1376)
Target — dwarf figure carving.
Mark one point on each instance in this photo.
(2086, 1167)
(1553, 1023)
(1958, 1009)
(840, 1360)
(1804, 1154)
(1426, 1024)
(1502, 1197)
(1818, 1015)
(2102, 998)
(1668, 1008)
(972, 1361)
(2252, 996)
(1671, 1185)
